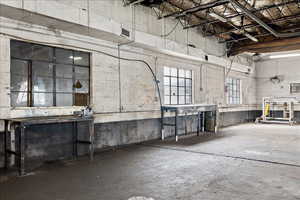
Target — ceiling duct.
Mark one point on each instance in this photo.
(262, 23)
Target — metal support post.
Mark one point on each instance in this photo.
(176, 125)
(92, 137)
(22, 149)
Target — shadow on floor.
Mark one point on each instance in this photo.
(189, 140)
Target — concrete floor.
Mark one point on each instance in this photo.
(244, 162)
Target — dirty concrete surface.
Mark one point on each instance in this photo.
(243, 162)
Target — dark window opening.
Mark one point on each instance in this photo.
(43, 76)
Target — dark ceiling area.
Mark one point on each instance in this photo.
(256, 26)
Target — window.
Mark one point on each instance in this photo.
(47, 76)
(233, 91)
(295, 88)
(177, 86)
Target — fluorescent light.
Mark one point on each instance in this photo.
(222, 19)
(285, 55)
(254, 39)
(76, 58)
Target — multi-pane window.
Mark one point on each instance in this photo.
(295, 88)
(177, 86)
(48, 76)
(233, 91)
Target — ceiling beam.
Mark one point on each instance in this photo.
(240, 14)
(267, 47)
(197, 8)
(281, 19)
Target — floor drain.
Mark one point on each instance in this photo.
(140, 198)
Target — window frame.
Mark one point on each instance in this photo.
(54, 63)
(178, 93)
(233, 96)
(295, 88)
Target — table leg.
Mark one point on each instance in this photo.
(92, 139)
(185, 124)
(198, 123)
(75, 138)
(162, 125)
(5, 144)
(176, 125)
(22, 147)
(203, 121)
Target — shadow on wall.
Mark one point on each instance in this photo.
(233, 118)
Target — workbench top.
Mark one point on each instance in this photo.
(49, 120)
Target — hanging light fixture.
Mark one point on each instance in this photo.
(77, 85)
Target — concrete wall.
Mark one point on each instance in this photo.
(123, 95)
(288, 71)
(286, 68)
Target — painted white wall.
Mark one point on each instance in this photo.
(124, 92)
(287, 68)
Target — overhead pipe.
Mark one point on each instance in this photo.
(262, 23)
(281, 19)
(240, 14)
(197, 8)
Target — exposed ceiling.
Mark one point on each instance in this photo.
(256, 26)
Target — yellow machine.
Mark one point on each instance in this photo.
(278, 104)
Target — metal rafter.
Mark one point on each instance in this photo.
(196, 9)
(240, 14)
(247, 26)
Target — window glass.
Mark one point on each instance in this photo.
(19, 99)
(64, 56)
(181, 99)
(53, 73)
(42, 99)
(166, 80)
(167, 90)
(42, 77)
(189, 99)
(42, 69)
(174, 91)
(174, 72)
(81, 73)
(233, 91)
(167, 71)
(42, 53)
(19, 75)
(64, 71)
(19, 67)
(42, 84)
(181, 73)
(174, 100)
(174, 81)
(81, 58)
(84, 86)
(179, 81)
(19, 83)
(21, 50)
(167, 99)
(64, 99)
(188, 74)
(188, 82)
(64, 85)
(188, 91)
(181, 91)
